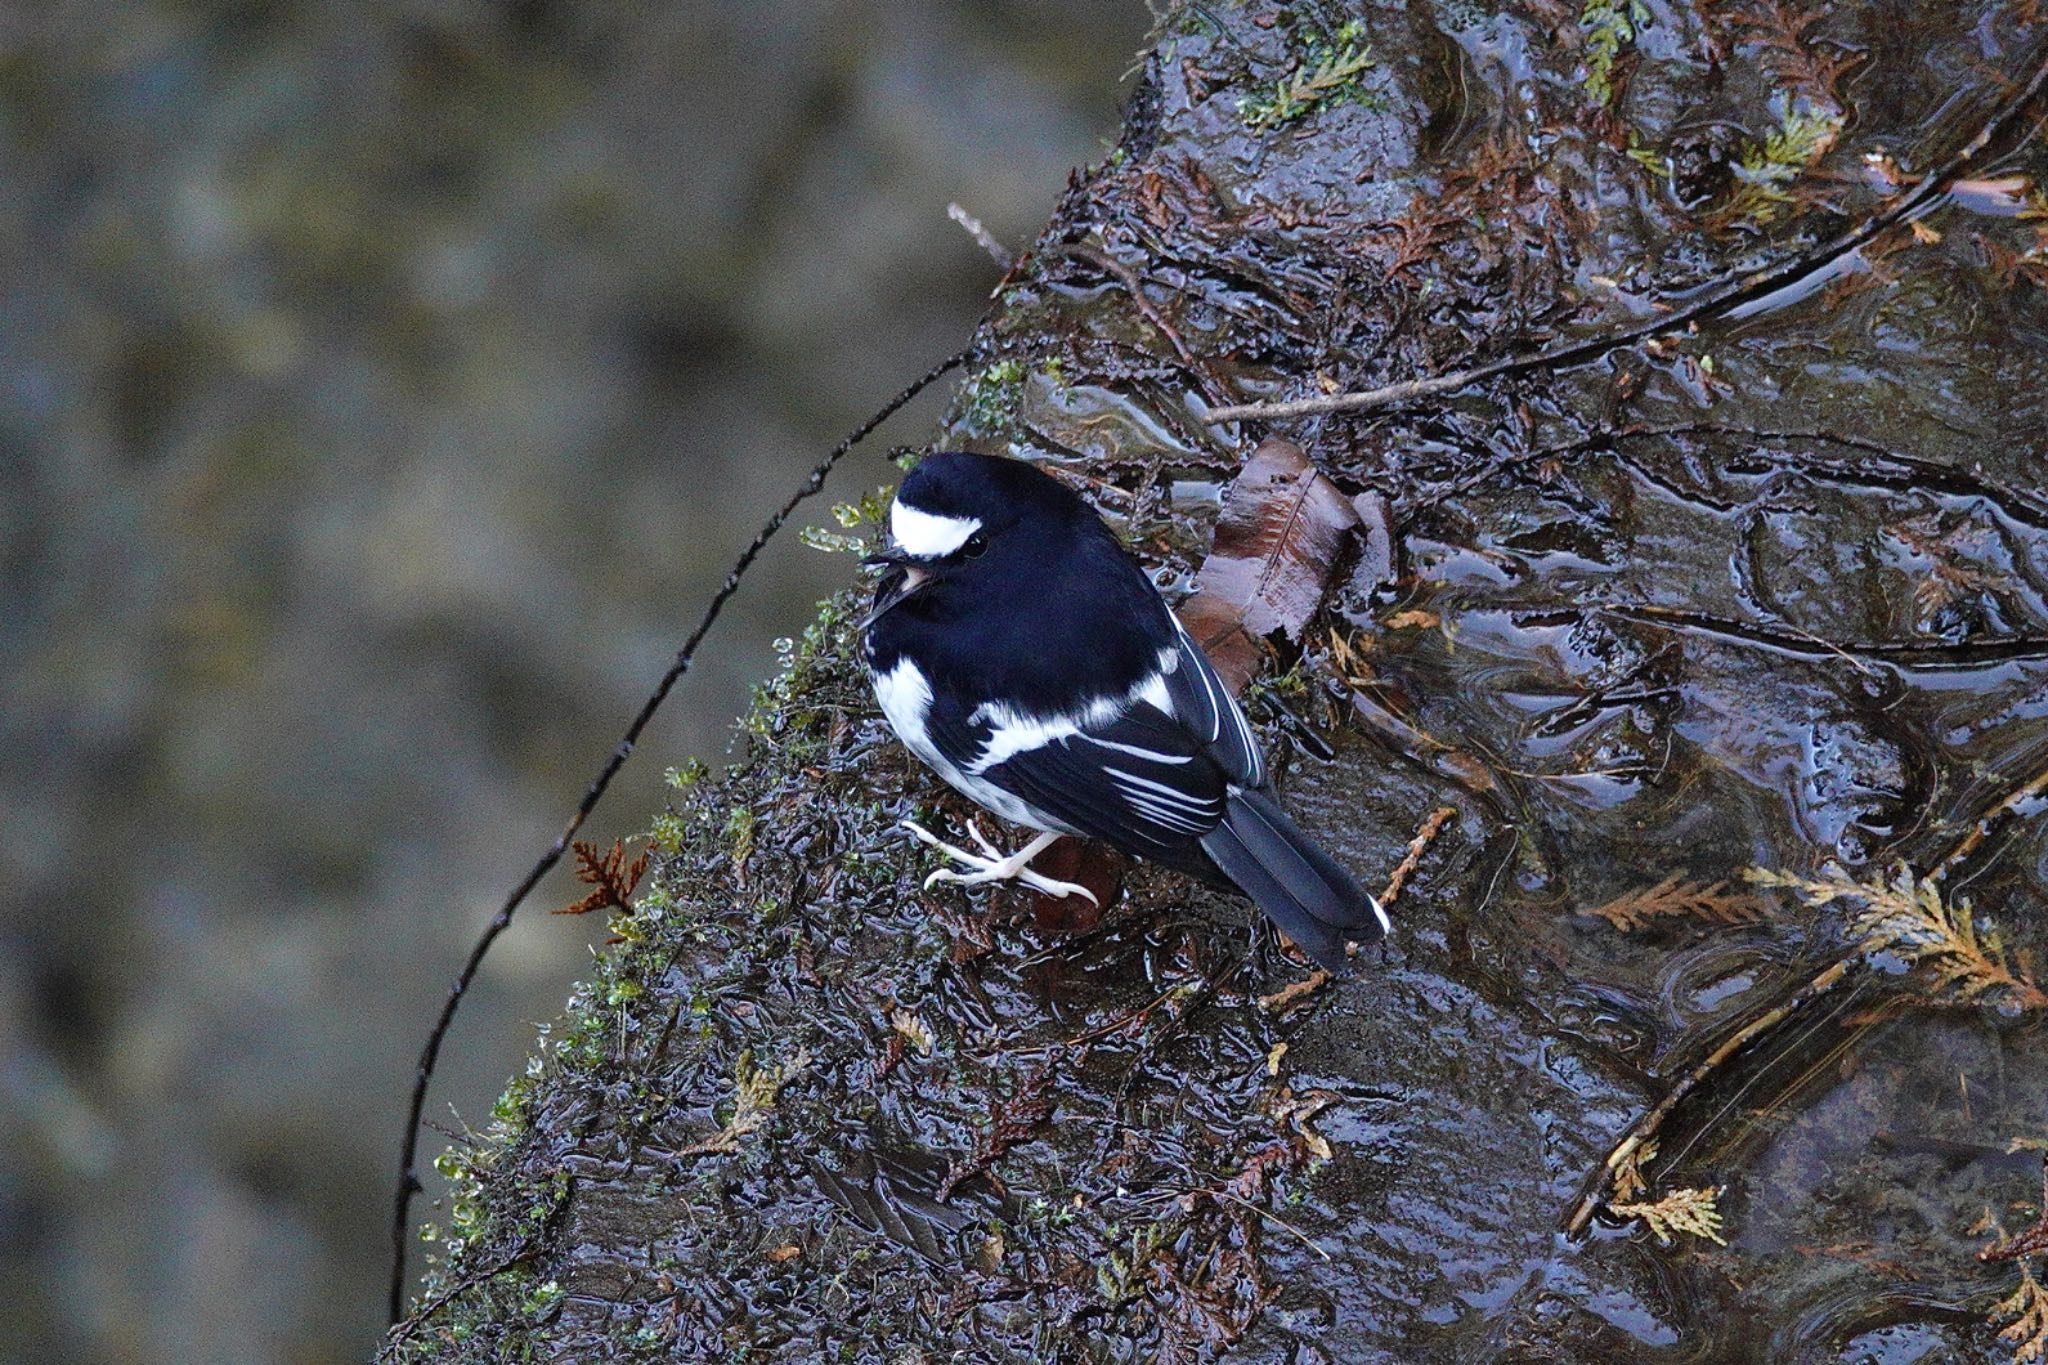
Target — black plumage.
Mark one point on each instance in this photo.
(1018, 649)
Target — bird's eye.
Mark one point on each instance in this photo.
(976, 543)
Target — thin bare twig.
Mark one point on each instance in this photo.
(1981, 829)
(408, 1177)
(1275, 1219)
(1733, 292)
(401, 1331)
(1790, 639)
(1419, 845)
(1133, 286)
(1646, 1127)
(983, 238)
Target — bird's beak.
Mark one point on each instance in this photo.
(902, 575)
(889, 556)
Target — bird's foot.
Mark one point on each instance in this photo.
(993, 865)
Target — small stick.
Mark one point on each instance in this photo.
(1127, 277)
(1274, 1218)
(1981, 829)
(1424, 837)
(1646, 1127)
(401, 1331)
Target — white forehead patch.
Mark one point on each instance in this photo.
(928, 535)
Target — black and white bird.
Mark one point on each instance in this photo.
(1019, 651)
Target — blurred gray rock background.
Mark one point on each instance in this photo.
(383, 388)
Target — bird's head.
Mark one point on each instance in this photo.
(959, 517)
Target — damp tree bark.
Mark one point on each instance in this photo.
(1606, 441)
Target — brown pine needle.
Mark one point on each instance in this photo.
(1675, 896)
(1964, 965)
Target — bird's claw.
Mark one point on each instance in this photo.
(974, 829)
(992, 865)
(1051, 886)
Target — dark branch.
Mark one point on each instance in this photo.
(408, 1179)
(1732, 292)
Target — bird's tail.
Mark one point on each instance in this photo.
(1297, 885)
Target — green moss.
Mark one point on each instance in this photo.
(870, 509)
(665, 834)
(739, 828)
(1650, 159)
(1609, 27)
(989, 402)
(1328, 71)
(1764, 180)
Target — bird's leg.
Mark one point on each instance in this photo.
(991, 864)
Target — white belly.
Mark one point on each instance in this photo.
(906, 697)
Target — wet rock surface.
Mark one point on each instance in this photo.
(1768, 592)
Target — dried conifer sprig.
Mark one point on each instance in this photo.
(1010, 1122)
(2027, 1306)
(615, 882)
(1906, 916)
(757, 1088)
(1675, 896)
(1694, 1211)
(1629, 1180)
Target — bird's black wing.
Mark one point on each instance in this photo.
(1204, 706)
(1139, 780)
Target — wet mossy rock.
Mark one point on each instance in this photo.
(1770, 592)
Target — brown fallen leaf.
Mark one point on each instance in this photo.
(1415, 618)
(2001, 196)
(1299, 1111)
(1379, 547)
(1283, 528)
(788, 1251)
